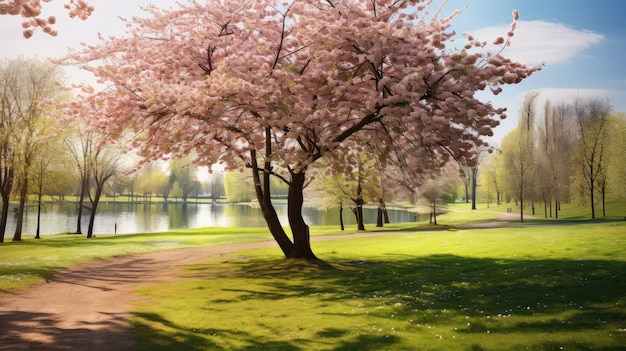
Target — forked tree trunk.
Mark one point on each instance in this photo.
(301, 245)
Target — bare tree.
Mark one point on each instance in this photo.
(105, 162)
(80, 145)
(434, 192)
(555, 142)
(591, 150)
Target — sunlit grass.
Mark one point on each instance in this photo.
(535, 287)
(31, 261)
(491, 289)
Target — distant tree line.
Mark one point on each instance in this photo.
(559, 153)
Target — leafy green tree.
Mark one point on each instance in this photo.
(152, 180)
(27, 87)
(185, 175)
(176, 191)
(518, 150)
(617, 155)
(238, 187)
(435, 193)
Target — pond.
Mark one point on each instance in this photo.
(159, 217)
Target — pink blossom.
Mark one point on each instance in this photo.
(498, 41)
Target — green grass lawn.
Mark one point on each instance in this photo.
(533, 287)
(541, 288)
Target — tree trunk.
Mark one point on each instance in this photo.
(379, 214)
(358, 212)
(263, 194)
(4, 216)
(39, 208)
(385, 213)
(592, 190)
(474, 186)
(94, 207)
(465, 182)
(299, 229)
(6, 186)
(341, 215)
(359, 207)
(20, 212)
(81, 203)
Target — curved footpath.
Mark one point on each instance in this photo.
(87, 307)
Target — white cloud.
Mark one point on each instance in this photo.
(537, 42)
(569, 95)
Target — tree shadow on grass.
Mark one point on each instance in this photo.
(148, 330)
(516, 298)
(42, 331)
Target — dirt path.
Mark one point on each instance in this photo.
(87, 307)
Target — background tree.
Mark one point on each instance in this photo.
(30, 84)
(518, 151)
(591, 149)
(81, 146)
(435, 193)
(238, 187)
(151, 180)
(105, 162)
(176, 191)
(273, 85)
(185, 175)
(617, 155)
(490, 181)
(470, 171)
(46, 159)
(216, 186)
(8, 117)
(555, 142)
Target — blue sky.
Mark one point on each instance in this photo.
(582, 43)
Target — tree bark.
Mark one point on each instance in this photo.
(341, 215)
(94, 207)
(301, 235)
(474, 172)
(20, 211)
(379, 214)
(4, 216)
(81, 203)
(39, 207)
(262, 190)
(6, 186)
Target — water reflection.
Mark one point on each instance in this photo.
(141, 218)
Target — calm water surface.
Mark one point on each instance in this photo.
(142, 218)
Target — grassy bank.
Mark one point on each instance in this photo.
(31, 261)
(557, 288)
(534, 287)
